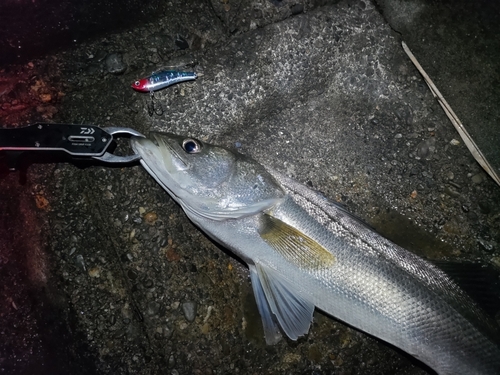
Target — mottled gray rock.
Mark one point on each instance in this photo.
(189, 310)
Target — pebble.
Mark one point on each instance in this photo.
(487, 245)
(189, 310)
(115, 64)
(477, 178)
(452, 193)
(95, 272)
(171, 360)
(426, 148)
(153, 308)
(150, 217)
(80, 263)
(132, 274)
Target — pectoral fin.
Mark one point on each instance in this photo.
(293, 245)
(271, 331)
(293, 312)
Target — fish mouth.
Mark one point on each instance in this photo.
(157, 157)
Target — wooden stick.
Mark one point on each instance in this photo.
(474, 150)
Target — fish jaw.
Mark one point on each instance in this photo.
(211, 181)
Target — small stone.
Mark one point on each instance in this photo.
(426, 148)
(45, 98)
(153, 308)
(150, 217)
(477, 178)
(189, 310)
(95, 272)
(496, 261)
(487, 245)
(80, 263)
(171, 360)
(115, 64)
(452, 193)
(172, 255)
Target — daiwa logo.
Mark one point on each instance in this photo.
(87, 131)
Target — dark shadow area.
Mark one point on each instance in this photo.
(39, 326)
(31, 28)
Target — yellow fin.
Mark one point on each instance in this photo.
(294, 245)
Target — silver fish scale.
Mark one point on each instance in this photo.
(387, 291)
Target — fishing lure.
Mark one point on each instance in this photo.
(160, 80)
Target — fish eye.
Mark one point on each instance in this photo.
(191, 146)
(137, 83)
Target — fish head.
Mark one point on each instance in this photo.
(141, 85)
(206, 180)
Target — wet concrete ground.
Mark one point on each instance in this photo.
(102, 273)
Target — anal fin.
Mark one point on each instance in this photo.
(271, 331)
(293, 312)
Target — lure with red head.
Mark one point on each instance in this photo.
(141, 85)
(160, 80)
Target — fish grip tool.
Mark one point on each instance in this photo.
(80, 142)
